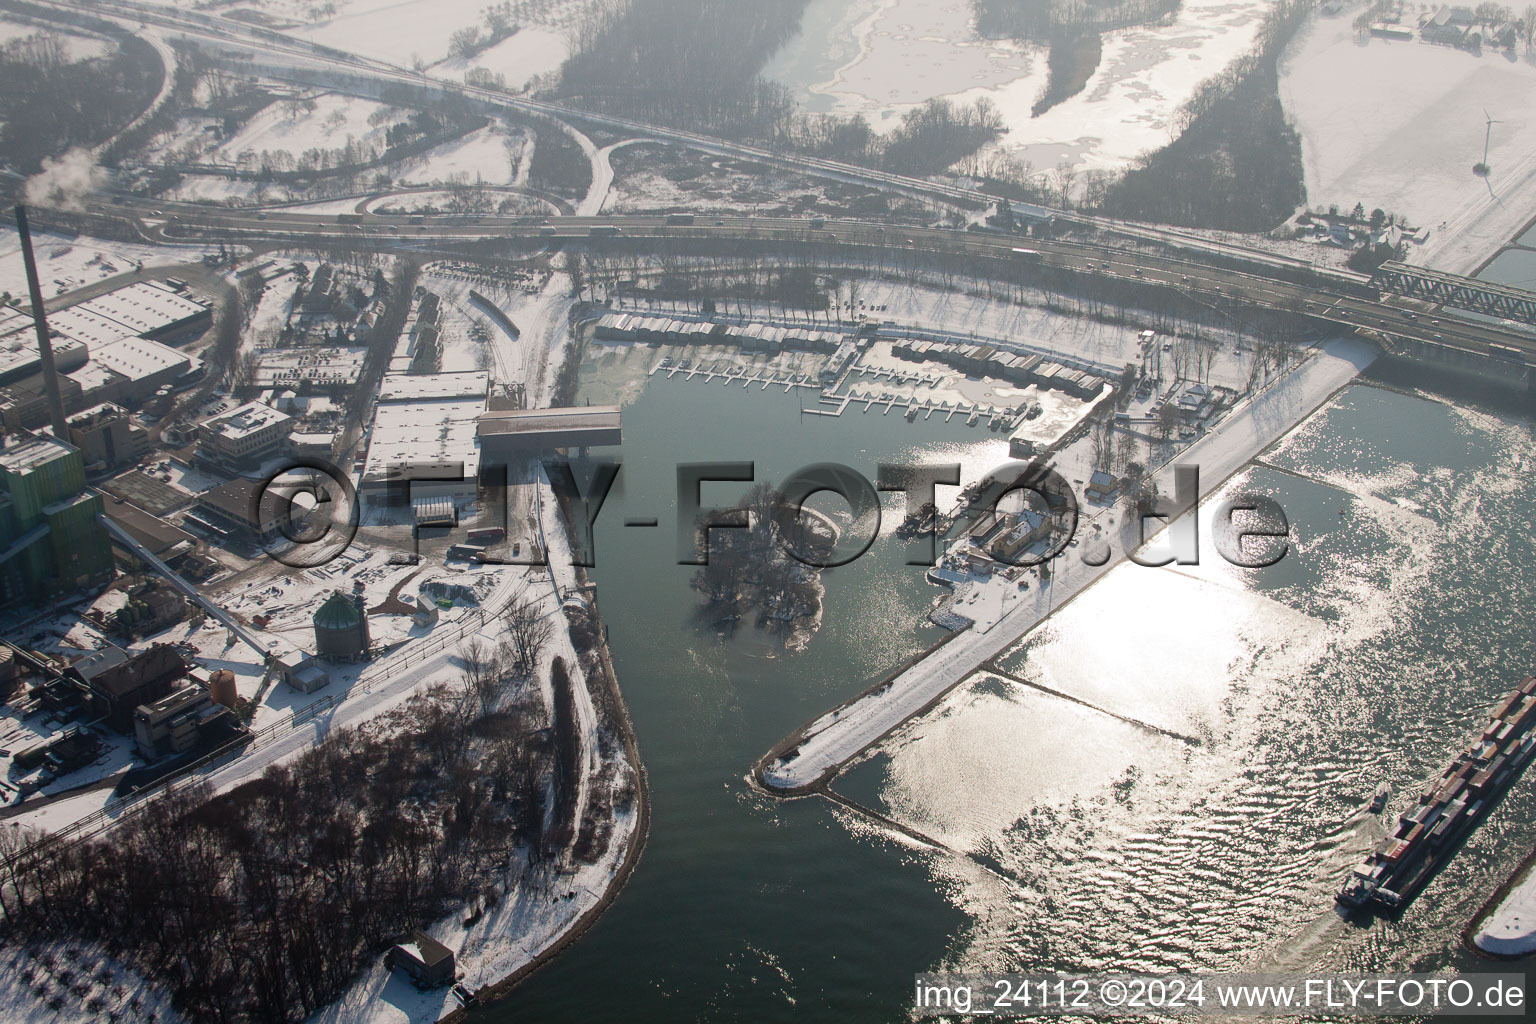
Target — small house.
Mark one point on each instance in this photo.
(1102, 486)
(429, 963)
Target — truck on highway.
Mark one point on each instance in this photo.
(679, 218)
(602, 231)
(349, 218)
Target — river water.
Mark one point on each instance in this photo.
(1205, 827)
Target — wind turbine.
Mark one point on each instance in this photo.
(1482, 167)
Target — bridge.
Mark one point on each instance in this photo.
(1486, 297)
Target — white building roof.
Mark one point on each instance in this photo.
(21, 458)
(405, 387)
(137, 358)
(18, 348)
(94, 375)
(144, 307)
(247, 419)
(429, 432)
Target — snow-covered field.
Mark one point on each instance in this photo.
(412, 32)
(526, 54)
(1398, 124)
(75, 46)
(492, 155)
(884, 57)
(289, 126)
(72, 981)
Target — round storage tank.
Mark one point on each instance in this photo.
(341, 629)
(221, 687)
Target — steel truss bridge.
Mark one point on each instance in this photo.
(1490, 299)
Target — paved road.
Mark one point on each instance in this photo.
(1340, 297)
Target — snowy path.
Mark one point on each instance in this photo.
(167, 87)
(832, 740)
(602, 174)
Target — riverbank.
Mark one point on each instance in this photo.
(636, 837)
(818, 750)
(1505, 927)
(550, 904)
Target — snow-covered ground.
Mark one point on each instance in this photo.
(289, 126)
(66, 262)
(523, 56)
(526, 921)
(73, 46)
(1251, 428)
(540, 904)
(492, 155)
(881, 58)
(1398, 124)
(419, 32)
(58, 982)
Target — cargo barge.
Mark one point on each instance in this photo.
(1453, 805)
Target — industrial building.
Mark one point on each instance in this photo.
(301, 671)
(106, 436)
(424, 431)
(109, 348)
(164, 540)
(19, 357)
(116, 683)
(170, 725)
(244, 437)
(50, 538)
(24, 402)
(510, 435)
(141, 366)
(229, 513)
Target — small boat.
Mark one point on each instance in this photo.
(1380, 799)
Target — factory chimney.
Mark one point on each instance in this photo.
(40, 321)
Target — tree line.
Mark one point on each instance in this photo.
(1236, 162)
(49, 104)
(696, 64)
(1045, 21)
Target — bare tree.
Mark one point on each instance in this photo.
(528, 632)
(481, 676)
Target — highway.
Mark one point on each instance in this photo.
(1279, 283)
(326, 67)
